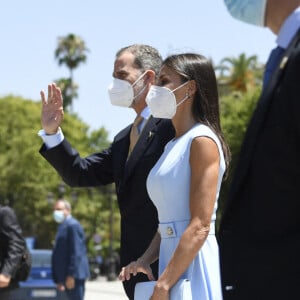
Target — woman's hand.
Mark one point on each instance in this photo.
(134, 268)
(52, 109)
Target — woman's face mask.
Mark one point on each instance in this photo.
(162, 101)
(121, 92)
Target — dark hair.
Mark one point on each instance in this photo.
(146, 57)
(205, 107)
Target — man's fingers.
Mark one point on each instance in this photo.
(57, 94)
(50, 95)
(42, 93)
(54, 95)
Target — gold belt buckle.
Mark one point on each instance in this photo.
(169, 230)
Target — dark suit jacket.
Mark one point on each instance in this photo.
(139, 218)
(260, 227)
(12, 244)
(69, 257)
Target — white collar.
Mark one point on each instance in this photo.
(289, 29)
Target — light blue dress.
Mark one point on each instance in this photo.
(168, 185)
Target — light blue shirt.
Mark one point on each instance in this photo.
(146, 115)
(53, 140)
(289, 29)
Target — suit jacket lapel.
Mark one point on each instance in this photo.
(122, 142)
(143, 143)
(257, 122)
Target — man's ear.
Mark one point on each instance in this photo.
(150, 77)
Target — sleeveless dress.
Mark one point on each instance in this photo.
(168, 185)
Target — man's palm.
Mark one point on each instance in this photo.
(52, 109)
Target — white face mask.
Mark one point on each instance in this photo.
(121, 92)
(162, 101)
(58, 216)
(249, 11)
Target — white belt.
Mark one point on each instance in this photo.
(176, 229)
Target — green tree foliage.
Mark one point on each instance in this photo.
(239, 73)
(20, 176)
(239, 82)
(28, 181)
(236, 111)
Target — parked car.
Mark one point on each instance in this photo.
(39, 285)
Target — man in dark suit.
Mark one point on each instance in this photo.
(260, 226)
(126, 165)
(12, 248)
(70, 267)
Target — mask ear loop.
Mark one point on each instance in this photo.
(141, 91)
(139, 78)
(186, 94)
(181, 101)
(180, 86)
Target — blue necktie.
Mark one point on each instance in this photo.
(272, 63)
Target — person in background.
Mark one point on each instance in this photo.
(260, 225)
(131, 155)
(70, 267)
(12, 247)
(185, 182)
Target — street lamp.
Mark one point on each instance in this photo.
(61, 190)
(50, 198)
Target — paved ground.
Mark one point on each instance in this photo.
(101, 289)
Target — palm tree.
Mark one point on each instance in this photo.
(71, 51)
(240, 74)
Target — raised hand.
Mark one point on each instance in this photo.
(52, 109)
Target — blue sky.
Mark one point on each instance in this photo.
(29, 31)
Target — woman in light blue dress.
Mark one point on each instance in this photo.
(185, 182)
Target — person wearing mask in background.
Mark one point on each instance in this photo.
(185, 182)
(12, 249)
(260, 226)
(128, 160)
(70, 267)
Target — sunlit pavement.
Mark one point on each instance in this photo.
(101, 289)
